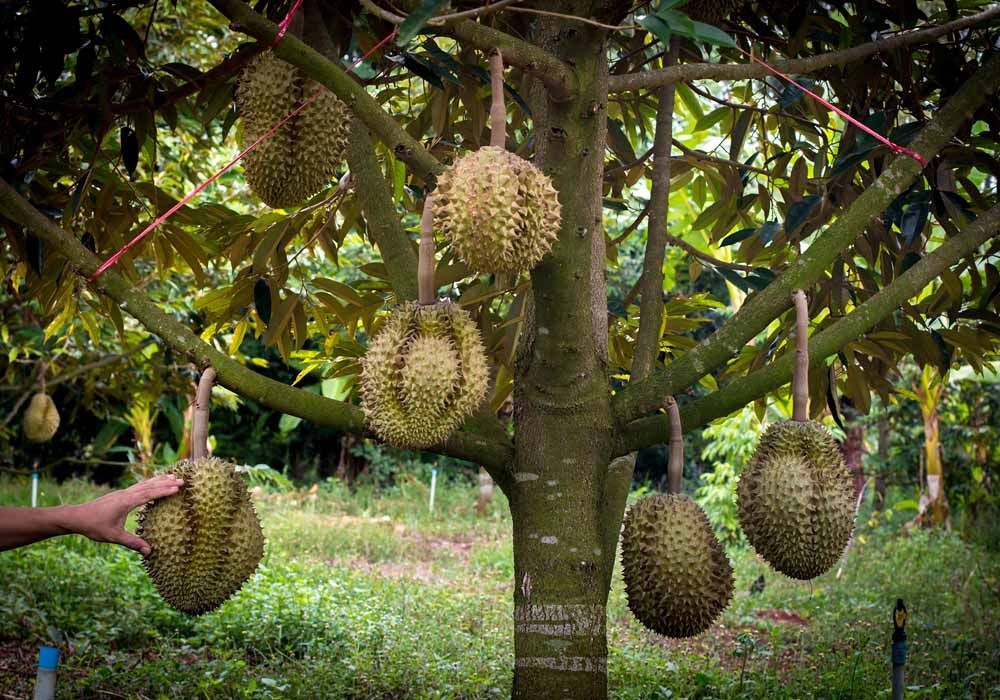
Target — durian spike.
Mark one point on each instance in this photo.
(427, 293)
(199, 424)
(800, 378)
(675, 455)
(498, 112)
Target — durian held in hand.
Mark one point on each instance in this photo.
(205, 540)
(302, 156)
(500, 213)
(41, 419)
(796, 500)
(425, 371)
(677, 576)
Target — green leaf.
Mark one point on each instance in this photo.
(412, 25)
(738, 236)
(656, 26)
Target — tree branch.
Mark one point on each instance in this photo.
(762, 308)
(741, 391)
(332, 76)
(556, 76)
(373, 192)
(493, 455)
(740, 71)
(647, 344)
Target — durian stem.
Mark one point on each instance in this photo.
(427, 294)
(800, 376)
(498, 111)
(675, 456)
(199, 424)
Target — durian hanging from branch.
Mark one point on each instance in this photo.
(425, 371)
(206, 539)
(795, 497)
(41, 418)
(302, 156)
(500, 213)
(677, 576)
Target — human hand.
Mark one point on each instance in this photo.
(103, 519)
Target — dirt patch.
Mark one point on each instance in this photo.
(18, 660)
(783, 616)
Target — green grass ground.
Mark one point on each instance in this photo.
(369, 596)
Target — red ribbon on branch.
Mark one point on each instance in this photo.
(158, 221)
(894, 147)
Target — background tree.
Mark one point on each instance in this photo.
(777, 194)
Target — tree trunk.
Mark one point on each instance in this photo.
(936, 510)
(562, 409)
(854, 442)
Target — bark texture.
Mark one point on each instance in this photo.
(562, 409)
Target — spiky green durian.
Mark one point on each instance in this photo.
(302, 156)
(41, 419)
(424, 373)
(711, 11)
(499, 211)
(205, 540)
(677, 576)
(796, 499)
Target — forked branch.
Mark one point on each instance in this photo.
(202, 406)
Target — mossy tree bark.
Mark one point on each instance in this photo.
(562, 409)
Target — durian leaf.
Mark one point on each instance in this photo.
(415, 21)
(262, 299)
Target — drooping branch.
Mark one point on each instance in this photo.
(741, 391)
(329, 74)
(202, 408)
(801, 66)
(642, 397)
(384, 228)
(647, 344)
(800, 376)
(465, 444)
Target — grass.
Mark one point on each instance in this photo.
(369, 596)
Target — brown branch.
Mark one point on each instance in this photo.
(675, 458)
(767, 111)
(698, 155)
(800, 377)
(498, 112)
(425, 265)
(647, 344)
(705, 257)
(202, 407)
(438, 20)
(741, 71)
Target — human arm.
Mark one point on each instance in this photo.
(101, 519)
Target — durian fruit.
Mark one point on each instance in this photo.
(499, 211)
(711, 11)
(424, 373)
(796, 501)
(41, 420)
(302, 156)
(677, 576)
(205, 540)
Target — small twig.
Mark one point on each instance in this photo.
(576, 18)
(202, 405)
(800, 377)
(630, 229)
(498, 112)
(675, 456)
(393, 18)
(753, 108)
(722, 161)
(426, 292)
(705, 257)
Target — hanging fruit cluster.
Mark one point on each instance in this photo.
(796, 507)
